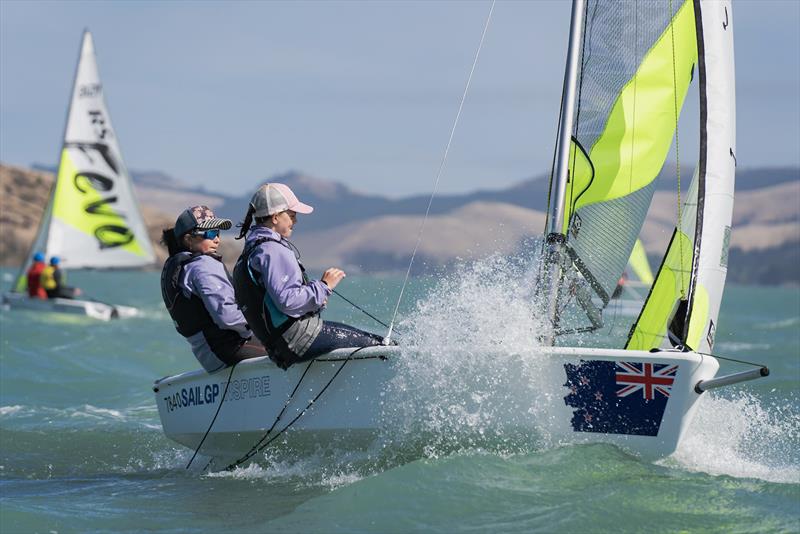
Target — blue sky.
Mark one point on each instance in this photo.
(226, 94)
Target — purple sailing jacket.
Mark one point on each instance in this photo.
(206, 278)
(281, 275)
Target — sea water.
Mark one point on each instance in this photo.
(81, 446)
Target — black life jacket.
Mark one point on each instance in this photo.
(190, 315)
(286, 338)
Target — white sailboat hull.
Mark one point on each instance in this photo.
(354, 400)
(88, 308)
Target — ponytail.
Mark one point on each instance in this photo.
(248, 220)
(168, 238)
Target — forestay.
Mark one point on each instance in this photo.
(92, 218)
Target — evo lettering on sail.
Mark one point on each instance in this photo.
(248, 388)
(95, 176)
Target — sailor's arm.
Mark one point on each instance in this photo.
(207, 279)
(283, 281)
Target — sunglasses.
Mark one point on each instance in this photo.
(208, 234)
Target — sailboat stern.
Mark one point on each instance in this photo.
(642, 402)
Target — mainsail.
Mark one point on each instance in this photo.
(92, 219)
(636, 63)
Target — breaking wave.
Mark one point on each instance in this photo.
(744, 437)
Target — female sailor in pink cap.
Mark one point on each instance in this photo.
(281, 304)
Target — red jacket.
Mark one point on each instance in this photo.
(35, 288)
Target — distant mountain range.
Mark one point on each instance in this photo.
(364, 232)
(336, 204)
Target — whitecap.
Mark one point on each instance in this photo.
(739, 346)
(10, 410)
(779, 325)
(341, 479)
(87, 410)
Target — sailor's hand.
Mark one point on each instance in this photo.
(332, 277)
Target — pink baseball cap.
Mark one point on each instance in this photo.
(275, 198)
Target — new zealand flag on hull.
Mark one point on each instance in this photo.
(619, 397)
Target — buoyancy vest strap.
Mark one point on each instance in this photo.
(280, 320)
(175, 279)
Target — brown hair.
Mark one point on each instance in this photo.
(172, 243)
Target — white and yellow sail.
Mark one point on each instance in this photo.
(684, 302)
(92, 219)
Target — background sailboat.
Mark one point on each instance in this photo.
(92, 219)
(632, 288)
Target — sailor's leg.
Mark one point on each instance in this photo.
(337, 336)
(251, 348)
(68, 292)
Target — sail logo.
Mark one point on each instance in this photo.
(194, 396)
(95, 172)
(247, 388)
(98, 122)
(98, 205)
(90, 90)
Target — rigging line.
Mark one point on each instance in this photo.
(731, 359)
(254, 449)
(221, 402)
(388, 336)
(261, 445)
(677, 144)
(359, 308)
(353, 304)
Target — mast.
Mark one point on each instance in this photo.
(555, 236)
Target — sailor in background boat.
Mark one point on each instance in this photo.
(34, 276)
(198, 294)
(53, 281)
(281, 304)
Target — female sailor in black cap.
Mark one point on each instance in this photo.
(198, 294)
